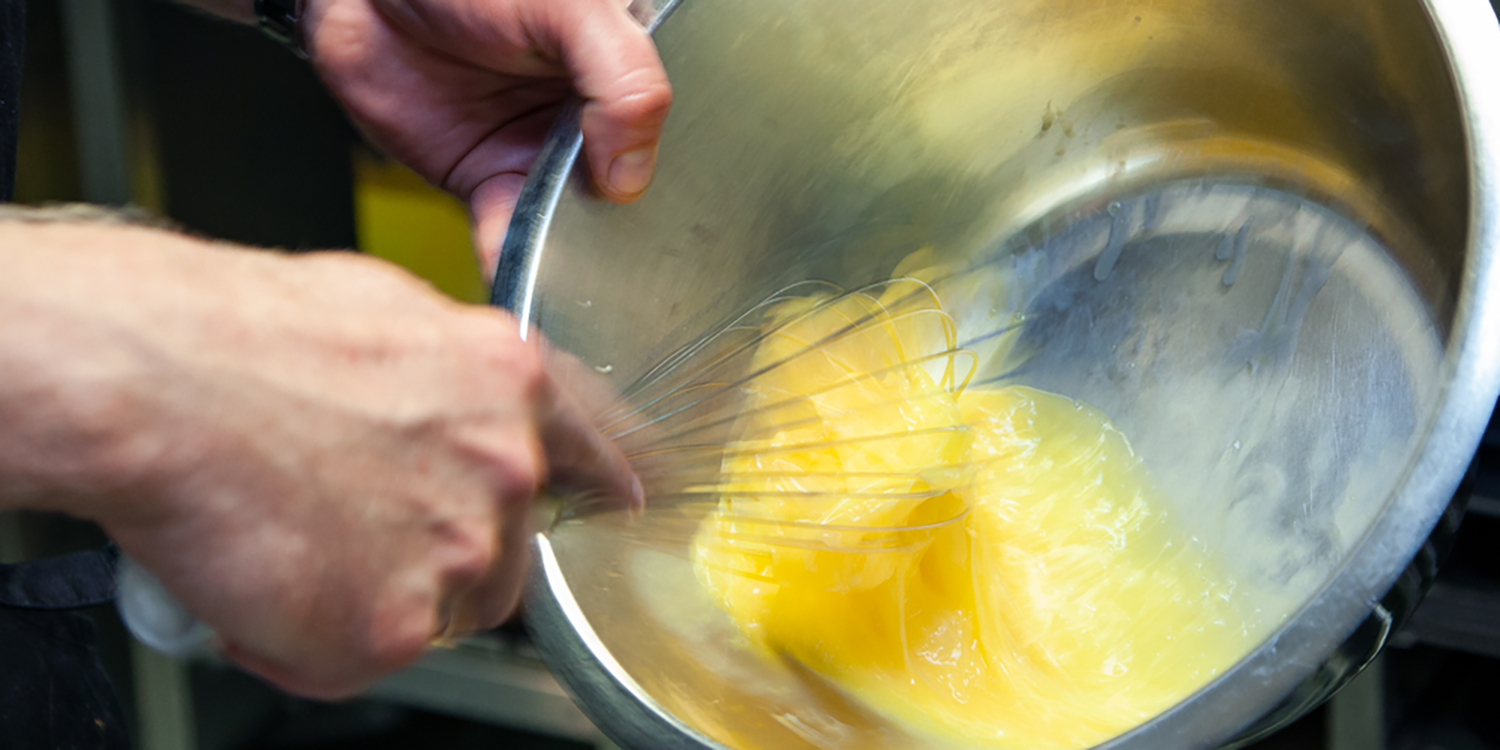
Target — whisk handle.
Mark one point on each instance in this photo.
(154, 616)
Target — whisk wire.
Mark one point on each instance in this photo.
(636, 394)
(734, 450)
(803, 398)
(705, 423)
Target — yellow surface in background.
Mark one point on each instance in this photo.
(399, 217)
(991, 566)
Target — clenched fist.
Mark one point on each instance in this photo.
(322, 458)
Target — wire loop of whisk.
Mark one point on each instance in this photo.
(640, 393)
(740, 449)
(948, 383)
(751, 534)
(725, 432)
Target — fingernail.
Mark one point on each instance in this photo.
(630, 173)
(637, 493)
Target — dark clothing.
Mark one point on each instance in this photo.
(12, 49)
(54, 694)
(82, 579)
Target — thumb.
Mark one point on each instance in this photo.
(615, 68)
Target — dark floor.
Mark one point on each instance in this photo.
(375, 726)
(1442, 700)
(1439, 701)
(369, 725)
(236, 712)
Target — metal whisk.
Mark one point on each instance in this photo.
(726, 424)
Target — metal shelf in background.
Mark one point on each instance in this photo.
(1459, 615)
(486, 681)
(1461, 612)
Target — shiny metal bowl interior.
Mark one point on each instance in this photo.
(1309, 412)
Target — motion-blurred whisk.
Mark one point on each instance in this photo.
(796, 422)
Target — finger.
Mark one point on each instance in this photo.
(491, 206)
(615, 68)
(596, 393)
(590, 387)
(491, 176)
(581, 460)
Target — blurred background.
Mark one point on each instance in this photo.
(143, 102)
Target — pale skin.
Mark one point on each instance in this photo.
(325, 460)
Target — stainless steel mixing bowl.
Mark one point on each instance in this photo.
(1259, 234)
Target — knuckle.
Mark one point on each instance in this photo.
(495, 335)
(519, 472)
(474, 550)
(516, 365)
(648, 101)
(531, 377)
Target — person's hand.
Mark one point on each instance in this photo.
(323, 459)
(463, 91)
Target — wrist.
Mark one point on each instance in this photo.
(78, 379)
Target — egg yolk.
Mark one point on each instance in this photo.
(987, 565)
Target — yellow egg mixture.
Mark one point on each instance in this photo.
(989, 565)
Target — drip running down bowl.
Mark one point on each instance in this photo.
(1258, 235)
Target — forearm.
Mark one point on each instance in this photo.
(75, 381)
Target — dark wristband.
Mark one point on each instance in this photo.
(282, 20)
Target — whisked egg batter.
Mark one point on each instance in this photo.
(989, 565)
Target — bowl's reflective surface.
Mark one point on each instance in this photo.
(1253, 233)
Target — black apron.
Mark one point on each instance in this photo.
(54, 694)
(12, 49)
